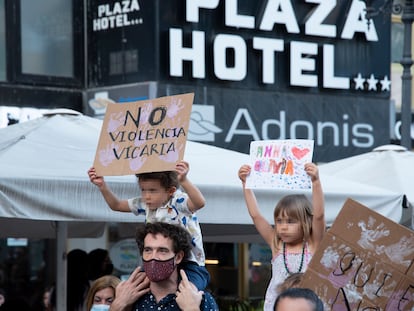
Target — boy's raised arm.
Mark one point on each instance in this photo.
(196, 199)
(111, 199)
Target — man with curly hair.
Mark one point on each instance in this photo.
(161, 286)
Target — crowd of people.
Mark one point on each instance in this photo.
(298, 229)
(173, 274)
(83, 269)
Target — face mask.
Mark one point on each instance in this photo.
(100, 308)
(159, 270)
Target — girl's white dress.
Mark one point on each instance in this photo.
(279, 273)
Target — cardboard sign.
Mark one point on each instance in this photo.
(280, 164)
(143, 136)
(365, 262)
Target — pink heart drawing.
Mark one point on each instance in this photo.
(299, 153)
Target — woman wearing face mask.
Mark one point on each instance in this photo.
(102, 293)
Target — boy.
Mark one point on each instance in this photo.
(162, 200)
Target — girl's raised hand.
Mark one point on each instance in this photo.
(312, 170)
(244, 171)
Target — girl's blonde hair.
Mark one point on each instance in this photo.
(103, 282)
(295, 206)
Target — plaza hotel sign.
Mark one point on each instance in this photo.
(275, 69)
(302, 55)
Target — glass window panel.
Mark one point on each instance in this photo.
(260, 270)
(115, 63)
(397, 39)
(25, 270)
(131, 61)
(47, 37)
(2, 42)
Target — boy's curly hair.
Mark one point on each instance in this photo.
(167, 179)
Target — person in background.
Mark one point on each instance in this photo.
(47, 299)
(162, 200)
(292, 280)
(2, 296)
(102, 293)
(99, 264)
(15, 304)
(298, 299)
(299, 228)
(164, 247)
(77, 279)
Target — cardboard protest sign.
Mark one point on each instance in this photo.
(143, 136)
(365, 262)
(280, 164)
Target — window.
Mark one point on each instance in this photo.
(131, 61)
(27, 268)
(115, 63)
(2, 42)
(47, 38)
(397, 39)
(397, 47)
(123, 62)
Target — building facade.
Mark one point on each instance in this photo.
(263, 70)
(259, 69)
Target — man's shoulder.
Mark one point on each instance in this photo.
(208, 302)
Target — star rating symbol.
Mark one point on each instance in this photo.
(359, 82)
(372, 83)
(385, 84)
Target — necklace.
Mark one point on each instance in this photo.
(301, 260)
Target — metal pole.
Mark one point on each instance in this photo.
(61, 267)
(407, 18)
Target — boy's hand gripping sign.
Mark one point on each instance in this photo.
(280, 164)
(143, 136)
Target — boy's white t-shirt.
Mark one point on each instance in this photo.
(174, 212)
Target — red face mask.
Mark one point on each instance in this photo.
(159, 270)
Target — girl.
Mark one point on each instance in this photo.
(298, 230)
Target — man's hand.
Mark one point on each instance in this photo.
(129, 291)
(188, 296)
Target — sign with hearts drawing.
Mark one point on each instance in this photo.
(280, 164)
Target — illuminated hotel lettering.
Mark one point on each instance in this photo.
(303, 55)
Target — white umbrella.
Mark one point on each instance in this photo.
(390, 167)
(43, 179)
(45, 190)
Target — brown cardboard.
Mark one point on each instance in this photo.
(143, 136)
(363, 263)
